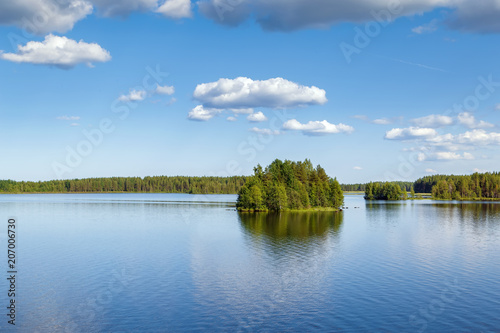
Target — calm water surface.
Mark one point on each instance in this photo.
(171, 263)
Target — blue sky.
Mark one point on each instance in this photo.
(210, 94)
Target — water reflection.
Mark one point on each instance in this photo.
(287, 225)
(301, 235)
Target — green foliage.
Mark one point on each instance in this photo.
(157, 184)
(285, 185)
(360, 187)
(476, 186)
(384, 191)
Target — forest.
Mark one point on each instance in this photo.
(478, 186)
(289, 186)
(361, 187)
(385, 191)
(157, 184)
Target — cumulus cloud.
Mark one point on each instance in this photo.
(280, 15)
(467, 119)
(40, 17)
(357, 168)
(133, 96)
(244, 93)
(176, 9)
(165, 90)
(430, 171)
(476, 16)
(445, 156)
(231, 119)
(265, 131)
(58, 51)
(316, 127)
(257, 117)
(123, 7)
(478, 138)
(433, 121)
(201, 113)
(410, 133)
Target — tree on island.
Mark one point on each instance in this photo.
(385, 191)
(289, 186)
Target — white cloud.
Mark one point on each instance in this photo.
(287, 15)
(430, 171)
(74, 124)
(410, 133)
(40, 17)
(58, 51)
(176, 9)
(265, 131)
(244, 93)
(445, 156)
(382, 121)
(200, 113)
(478, 138)
(242, 111)
(124, 7)
(165, 90)
(426, 28)
(257, 117)
(231, 119)
(316, 127)
(358, 168)
(480, 170)
(133, 96)
(467, 119)
(68, 118)
(433, 121)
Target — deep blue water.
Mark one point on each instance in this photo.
(175, 263)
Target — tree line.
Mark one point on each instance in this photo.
(156, 184)
(289, 186)
(361, 187)
(451, 187)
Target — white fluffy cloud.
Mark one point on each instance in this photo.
(433, 121)
(133, 96)
(165, 90)
(357, 168)
(244, 93)
(201, 113)
(43, 16)
(257, 117)
(316, 127)
(410, 133)
(478, 138)
(467, 119)
(58, 51)
(265, 131)
(231, 119)
(287, 15)
(176, 9)
(445, 156)
(430, 170)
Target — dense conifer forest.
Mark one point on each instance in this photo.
(289, 186)
(449, 187)
(159, 184)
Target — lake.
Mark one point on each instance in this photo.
(174, 262)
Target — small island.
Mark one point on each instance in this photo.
(291, 186)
